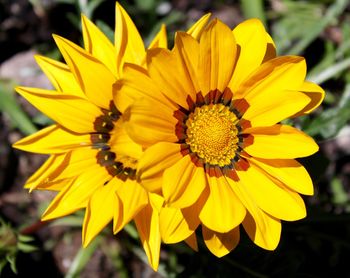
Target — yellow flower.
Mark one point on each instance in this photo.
(93, 162)
(208, 113)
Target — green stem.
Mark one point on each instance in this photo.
(333, 12)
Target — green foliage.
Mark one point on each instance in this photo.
(12, 242)
(331, 121)
(82, 258)
(10, 106)
(253, 9)
(302, 22)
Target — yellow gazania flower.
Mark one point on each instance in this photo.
(93, 161)
(209, 114)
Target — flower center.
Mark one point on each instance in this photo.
(109, 134)
(212, 134)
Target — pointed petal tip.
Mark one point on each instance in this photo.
(205, 18)
(23, 91)
(206, 15)
(84, 17)
(39, 57)
(155, 268)
(46, 215)
(85, 240)
(118, 7)
(29, 187)
(18, 89)
(85, 243)
(59, 40)
(55, 36)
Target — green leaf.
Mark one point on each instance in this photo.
(24, 238)
(12, 261)
(330, 72)
(10, 107)
(146, 5)
(331, 121)
(75, 220)
(253, 9)
(42, 120)
(3, 263)
(339, 194)
(131, 230)
(332, 13)
(26, 248)
(82, 258)
(296, 19)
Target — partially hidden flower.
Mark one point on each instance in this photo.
(93, 161)
(209, 115)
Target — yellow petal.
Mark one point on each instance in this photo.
(154, 161)
(147, 125)
(222, 211)
(197, 28)
(134, 85)
(127, 40)
(186, 50)
(147, 224)
(183, 183)
(220, 244)
(280, 141)
(170, 74)
(75, 114)
(263, 229)
(174, 227)
(315, 93)
(55, 173)
(76, 163)
(133, 198)
(191, 241)
(270, 49)
(77, 194)
(269, 196)
(98, 45)
(288, 171)
(251, 38)
(266, 236)
(93, 77)
(217, 57)
(276, 75)
(270, 107)
(60, 76)
(122, 144)
(99, 211)
(52, 139)
(55, 163)
(160, 40)
(177, 225)
(156, 201)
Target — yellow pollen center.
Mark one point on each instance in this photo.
(212, 134)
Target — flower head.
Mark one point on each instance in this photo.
(93, 162)
(209, 115)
